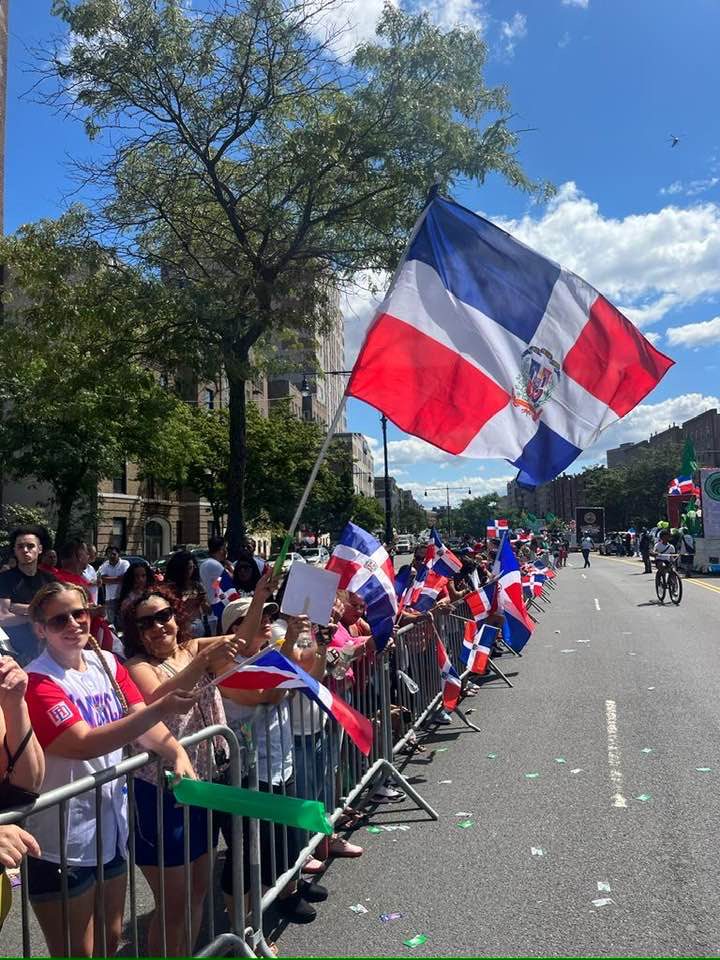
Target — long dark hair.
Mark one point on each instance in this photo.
(176, 571)
(128, 580)
(132, 637)
(246, 558)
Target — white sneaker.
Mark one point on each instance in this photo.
(444, 718)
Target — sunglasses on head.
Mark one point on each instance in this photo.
(61, 620)
(160, 616)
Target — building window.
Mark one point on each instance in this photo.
(164, 381)
(210, 529)
(210, 398)
(119, 483)
(151, 488)
(119, 533)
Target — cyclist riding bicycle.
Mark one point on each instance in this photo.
(663, 550)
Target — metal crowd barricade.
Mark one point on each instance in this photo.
(127, 768)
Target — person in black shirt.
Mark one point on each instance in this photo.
(18, 587)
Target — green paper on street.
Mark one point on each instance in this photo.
(291, 811)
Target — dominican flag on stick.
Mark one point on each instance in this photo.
(427, 593)
(273, 671)
(681, 485)
(476, 647)
(541, 567)
(441, 560)
(224, 592)
(482, 602)
(366, 569)
(452, 685)
(525, 360)
(496, 529)
(517, 625)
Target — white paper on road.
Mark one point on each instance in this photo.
(310, 592)
(537, 852)
(603, 886)
(603, 902)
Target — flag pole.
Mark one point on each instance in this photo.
(277, 569)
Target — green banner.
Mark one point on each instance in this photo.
(292, 811)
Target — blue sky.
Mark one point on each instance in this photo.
(606, 83)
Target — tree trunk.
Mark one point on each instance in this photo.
(65, 500)
(238, 458)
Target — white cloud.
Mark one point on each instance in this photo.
(454, 13)
(695, 334)
(691, 188)
(564, 40)
(511, 31)
(358, 303)
(654, 338)
(478, 485)
(649, 418)
(651, 262)
(582, 4)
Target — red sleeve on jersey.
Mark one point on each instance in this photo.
(127, 685)
(51, 710)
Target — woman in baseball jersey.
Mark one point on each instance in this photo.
(84, 709)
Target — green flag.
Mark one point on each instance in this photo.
(689, 461)
(292, 811)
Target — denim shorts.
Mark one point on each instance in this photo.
(45, 879)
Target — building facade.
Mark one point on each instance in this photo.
(356, 453)
(703, 430)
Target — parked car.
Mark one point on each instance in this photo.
(403, 544)
(289, 560)
(317, 556)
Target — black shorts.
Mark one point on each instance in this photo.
(45, 880)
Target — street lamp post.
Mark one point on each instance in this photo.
(447, 490)
(388, 499)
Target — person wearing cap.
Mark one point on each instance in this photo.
(261, 719)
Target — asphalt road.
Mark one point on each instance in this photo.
(596, 688)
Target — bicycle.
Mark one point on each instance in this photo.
(667, 580)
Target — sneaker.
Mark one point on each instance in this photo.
(443, 717)
(313, 865)
(295, 909)
(311, 891)
(343, 848)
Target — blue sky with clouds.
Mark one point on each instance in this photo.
(606, 83)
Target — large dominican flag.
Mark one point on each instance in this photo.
(496, 529)
(682, 485)
(484, 348)
(517, 625)
(366, 569)
(273, 671)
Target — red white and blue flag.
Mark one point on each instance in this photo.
(517, 625)
(428, 591)
(543, 568)
(682, 485)
(477, 645)
(366, 569)
(439, 559)
(452, 685)
(525, 359)
(224, 592)
(496, 528)
(482, 602)
(273, 671)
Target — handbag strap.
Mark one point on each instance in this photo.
(14, 757)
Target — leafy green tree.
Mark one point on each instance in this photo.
(472, 516)
(76, 400)
(15, 515)
(254, 169)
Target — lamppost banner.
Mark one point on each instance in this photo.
(710, 493)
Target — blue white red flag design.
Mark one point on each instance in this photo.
(366, 569)
(273, 671)
(543, 568)
(525, 360)
(681, 485)
(477, 645)
(482, 602)
(441, 560)
(496, 528)
(224, 592)
(427, 593)
(517, 625)
(452, 685)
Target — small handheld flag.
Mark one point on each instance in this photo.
(452, 685)
(477, 646)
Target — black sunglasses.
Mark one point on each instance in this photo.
(161, 616)
(61, 620)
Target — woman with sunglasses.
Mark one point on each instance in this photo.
(85, 709)
(163, 657)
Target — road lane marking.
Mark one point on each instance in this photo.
(597, 604)
(583, 576)
(616, 777)
(695, 583)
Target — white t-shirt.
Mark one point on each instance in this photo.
(210, 572)
(112, 590)
(58, 698)
(587, 543)
(90, 574)
(269, 727)
(664, 549)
